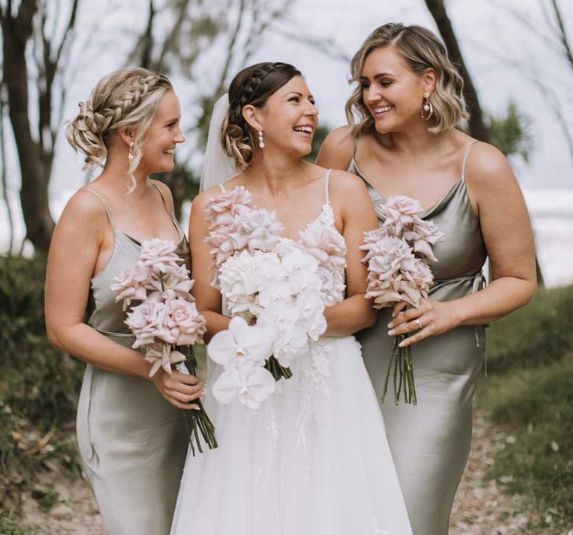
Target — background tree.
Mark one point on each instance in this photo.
(34, 51)
(205, 43)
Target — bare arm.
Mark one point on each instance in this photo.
(78, 238)
(508, 237)
(208, 298)
(337, 149)
(357, 216)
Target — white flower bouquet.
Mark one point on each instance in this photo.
(397, 255)
(166, 322)
(266, 281)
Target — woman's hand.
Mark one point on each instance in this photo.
(178, 388)
(430, 319)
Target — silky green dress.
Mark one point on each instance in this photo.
(430, 441)
(132, 441)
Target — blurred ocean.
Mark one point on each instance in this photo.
(551, 214)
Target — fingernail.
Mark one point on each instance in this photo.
(394, 314)
(196, 407)
(402, 344)
(392, 332)
(390, 325)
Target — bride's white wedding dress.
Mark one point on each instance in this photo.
(313, 459)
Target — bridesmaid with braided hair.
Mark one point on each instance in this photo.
(130, 428)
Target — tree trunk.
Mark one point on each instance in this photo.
(35, 167)
(477, 127)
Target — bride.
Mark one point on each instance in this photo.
(313, 458)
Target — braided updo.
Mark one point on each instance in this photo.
(126, 98)
(251, 86)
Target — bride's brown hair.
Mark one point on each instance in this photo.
(251, 86)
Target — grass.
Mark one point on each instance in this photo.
(529, 395)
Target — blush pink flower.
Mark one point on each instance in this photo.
(184, 319)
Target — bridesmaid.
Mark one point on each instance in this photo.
(131, 433)
(407, 101)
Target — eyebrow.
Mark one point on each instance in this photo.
(298, 94)
(379, 75)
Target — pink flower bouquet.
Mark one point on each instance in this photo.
(166, 322)
(397, 255)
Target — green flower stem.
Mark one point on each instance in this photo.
(277, 371)
(401, 367)
(200, 428)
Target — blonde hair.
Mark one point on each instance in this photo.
(422, 50)
(126, 98)
(251, 86)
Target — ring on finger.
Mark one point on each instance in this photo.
(418, 323)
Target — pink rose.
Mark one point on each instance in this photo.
(185, 320)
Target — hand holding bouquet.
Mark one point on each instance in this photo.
(397, 255)
(166, 322)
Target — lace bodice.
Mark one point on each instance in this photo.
(237, 224)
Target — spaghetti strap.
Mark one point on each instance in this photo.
(466, 155)
(107, 210)
(161, 195)
(223, 190)
(326, 183)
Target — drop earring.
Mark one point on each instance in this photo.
(427, 108)
(261, 139)
(130, 153)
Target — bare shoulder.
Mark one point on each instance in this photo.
(202, 199)
(83, 218)
(165, 192)
(487, 166)
(84, 208)
(337, 148)
(343, 183)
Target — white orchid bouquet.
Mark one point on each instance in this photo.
(166, 322)
(267, 281)
(397, 254)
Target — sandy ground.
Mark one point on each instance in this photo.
(481, 508)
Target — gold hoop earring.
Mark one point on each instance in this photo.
(261, 139)
(427, 109)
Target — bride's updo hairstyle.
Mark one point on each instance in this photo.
(251, 86)
(126, 98)
(422, 50)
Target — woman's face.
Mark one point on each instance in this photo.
(391, 91)
(289, 118)
(162, 137)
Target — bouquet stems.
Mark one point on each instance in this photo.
(401, 368)
(200, 429)
(277, 371)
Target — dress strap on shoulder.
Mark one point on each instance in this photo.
(105, 205)
(161, 195)
(466, 156)
(326, 186)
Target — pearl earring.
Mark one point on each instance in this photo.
(261, 139)
(427, 108)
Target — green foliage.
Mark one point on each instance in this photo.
(530, 397)
(319, 136)
(38, 385)
(535, 335)
(511, 134)
(11, 526)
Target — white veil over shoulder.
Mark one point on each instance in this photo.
(217, 166)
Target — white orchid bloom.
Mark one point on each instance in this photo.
(251, 384)
(241, 343)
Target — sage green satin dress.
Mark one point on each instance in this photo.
(132, 441)
(430, 441)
